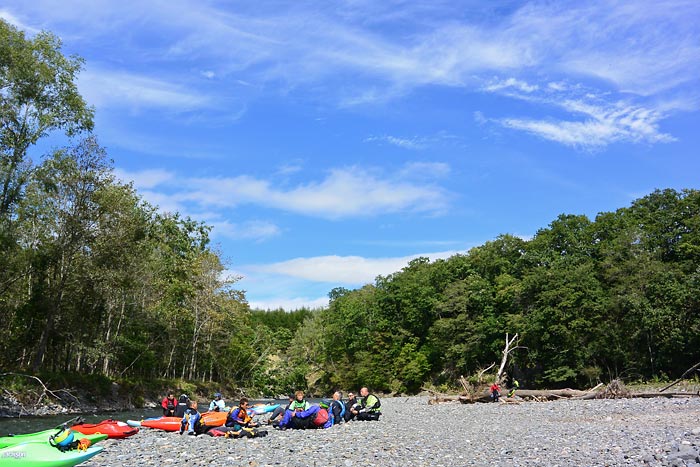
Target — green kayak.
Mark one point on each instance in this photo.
(41, 454)
(12, 440)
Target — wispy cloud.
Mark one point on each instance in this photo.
(593, 121)
(406, 143)
(121, 89)
(16, 22)
(498, 84)
(645, 47)
(144, 179)
(250, 230)
(344, 270)
(343, 193)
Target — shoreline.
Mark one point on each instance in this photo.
(410, 432)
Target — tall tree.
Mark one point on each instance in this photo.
(39, 94)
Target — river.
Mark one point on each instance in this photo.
(27, 424)
(31, 424)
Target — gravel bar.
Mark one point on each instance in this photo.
(620, 432)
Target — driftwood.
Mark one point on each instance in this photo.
(614, 390)
(46, 393)
(687, 372)
(506, 351)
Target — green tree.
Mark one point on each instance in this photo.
(39, 94)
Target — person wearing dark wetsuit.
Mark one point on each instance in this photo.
(350, 404)
(278, 413)
(182, 405)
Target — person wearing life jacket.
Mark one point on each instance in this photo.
(495, 392)
(300, 403)
(182, 404)
(515, 387)
(168, 403)
(316, 416)
(336, 409)
(218, 404)
(350, 404)
(189, 419)
(238, 418)
(369, 406)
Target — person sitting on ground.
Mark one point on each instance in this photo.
(278, 413)
(168, 403)
(300, 403)
(350, 404)
(336, 409)
(218, 404)
(190, 419)
(316, 416)
(238, 418)
(495, 391)
(368, 407)
(182, 405)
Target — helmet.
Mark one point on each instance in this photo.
(63, 437)
(217, 395)
(324, 405)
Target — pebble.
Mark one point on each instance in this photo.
(621, 432)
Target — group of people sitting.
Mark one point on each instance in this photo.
(298, 414)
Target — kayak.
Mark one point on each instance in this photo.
(111, 428)
(41, 454)
(161, 423)
(260, 409)
(209, 419)
(13, 440)
(213, 419)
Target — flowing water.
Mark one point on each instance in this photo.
(31, 424)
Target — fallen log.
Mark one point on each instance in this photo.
(571, 394)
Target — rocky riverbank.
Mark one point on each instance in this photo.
(621, 432)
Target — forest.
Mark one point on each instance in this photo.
(94, 280)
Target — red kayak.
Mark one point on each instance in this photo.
(163, 423)
(111, 428)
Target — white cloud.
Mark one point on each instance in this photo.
(603, 125)
(121, 89)
(347, 270)
(145, 179)
(347, 192)
(406, 143)
(16, 22)
(250, 230)
(594, 121)
(497, 84)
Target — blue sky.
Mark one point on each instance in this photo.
(328, 142)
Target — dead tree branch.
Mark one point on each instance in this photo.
(687, 372)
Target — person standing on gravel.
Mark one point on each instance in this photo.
(495, 391)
